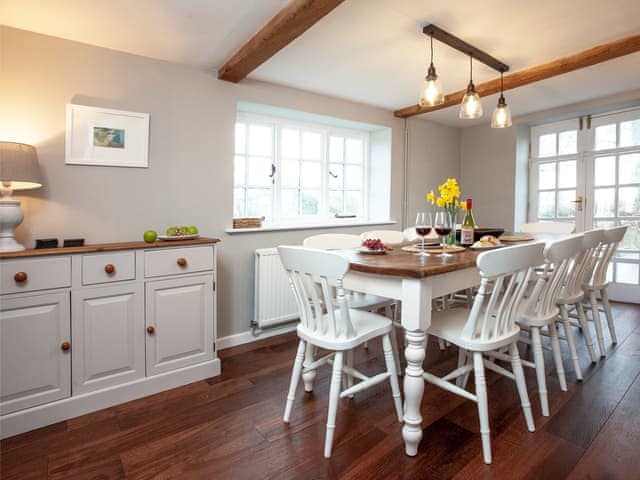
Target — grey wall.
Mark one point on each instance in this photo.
(191, 140)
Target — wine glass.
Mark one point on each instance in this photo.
(442, 226)
(423, 228)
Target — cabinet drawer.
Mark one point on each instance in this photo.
(35, 274)
(108, 267)
(174, 261)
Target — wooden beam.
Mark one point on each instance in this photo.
(288, 24)
(586, 58)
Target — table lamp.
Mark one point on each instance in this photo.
(19, 170)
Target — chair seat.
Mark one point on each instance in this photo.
(366, 325)
(362, 301)
(448, 325)
(536, 321)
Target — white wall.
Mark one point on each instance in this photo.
(189, 180)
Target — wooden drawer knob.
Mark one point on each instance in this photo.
(110, 269)
(150, 330)
(182, 262)
(65, 346)
(20, 277)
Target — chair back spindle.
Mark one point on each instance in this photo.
(611, 238)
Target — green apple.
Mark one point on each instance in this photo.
(193, 230)
(150, 236)
(171, 231)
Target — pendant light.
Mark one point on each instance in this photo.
(432, 89)
(471, 106)
(501, 115)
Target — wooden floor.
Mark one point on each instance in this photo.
(230, 427)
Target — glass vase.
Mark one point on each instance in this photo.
(451, 238)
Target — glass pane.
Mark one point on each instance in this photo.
(259, 171)
(629, 166)
(310, 202)
(353, 176)
(238, 170)
(546, 204)
(290, 143)
(238, 202)
(259, 202)
(627, 272)
(604, 223)
(336, 149)
(629, 201)
(604, 205)
(290, 173)
(311, 174)
(260, 140)
(354, 150)
(604, 171)
(605, 137)
(567, 174)
(311, 145)
(630, 133)
(610, 272)
(289, 203)
(631, 240)
(352, 203)
(546, 176)
(547, 145)
(241, 133)
(335, 202)
(566, 208)
(335, 175)
(568, 142)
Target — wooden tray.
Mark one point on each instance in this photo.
(432, 249)
(516, 238)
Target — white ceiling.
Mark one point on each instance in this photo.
(370, 51)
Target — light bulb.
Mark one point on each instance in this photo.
(471, 106)
(501, 115)
(432, 90)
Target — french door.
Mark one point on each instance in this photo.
(587, 171)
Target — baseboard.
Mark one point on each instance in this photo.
(248, 336)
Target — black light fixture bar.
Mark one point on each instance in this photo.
(462, 46)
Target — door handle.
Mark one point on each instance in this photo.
(580, 201)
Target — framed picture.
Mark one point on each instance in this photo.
(101, 136)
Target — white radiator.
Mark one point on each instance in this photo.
(274, 301)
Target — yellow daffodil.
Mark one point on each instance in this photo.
(448, 195)
(431, 197)
(440, 202)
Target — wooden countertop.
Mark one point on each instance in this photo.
(106, 247)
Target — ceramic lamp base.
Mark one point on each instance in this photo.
(10, 217)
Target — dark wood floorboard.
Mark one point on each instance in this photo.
(230, 427)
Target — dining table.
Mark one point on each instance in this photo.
(414, 280)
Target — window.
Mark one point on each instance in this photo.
(291, 172)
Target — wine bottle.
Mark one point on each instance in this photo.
(468, 225)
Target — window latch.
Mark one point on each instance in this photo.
(272, 175)
(339, 215)
(334, 175)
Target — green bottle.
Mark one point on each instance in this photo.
(468, 225)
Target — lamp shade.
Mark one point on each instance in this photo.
(19, 168)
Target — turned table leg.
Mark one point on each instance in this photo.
(413, 390)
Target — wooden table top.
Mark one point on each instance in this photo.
(106, 247)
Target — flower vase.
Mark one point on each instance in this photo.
(451, 238)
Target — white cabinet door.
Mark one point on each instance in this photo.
(35, 358)
(180, 319)
(108, 336)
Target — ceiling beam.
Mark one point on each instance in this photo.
(586, 58)
(287, 25)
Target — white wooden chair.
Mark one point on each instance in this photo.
(489, 327)
(548, 227)
(327, 321)
(541, 310)
(597, 283)
(389, 237)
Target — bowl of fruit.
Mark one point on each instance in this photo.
(180, 233)
(374, 246)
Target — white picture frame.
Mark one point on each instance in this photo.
(106, 137)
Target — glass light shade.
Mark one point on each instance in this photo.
(432, 90)
(471, 106)
(501, 115)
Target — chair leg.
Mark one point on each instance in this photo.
(334, 397)
(347, 379)
(462, 359)
(557, 355)
(595, 315)
(538, 358)
(586, 332)
(394, 346)
(387, 347)
(295, 378)
(568, 333)
(607, 310)
(483, 407)
(309, 377)
(441, 344)
(518, 373)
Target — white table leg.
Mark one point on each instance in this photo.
(413, 390)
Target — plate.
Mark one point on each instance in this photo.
(448, 249)
(365, 250)
(489, 247)
(516, 238)
(170, 238)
